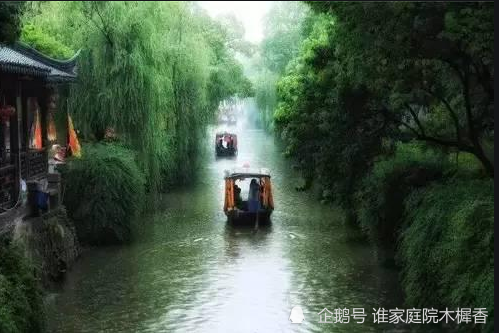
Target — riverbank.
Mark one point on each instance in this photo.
(35, 255)
(49, 242)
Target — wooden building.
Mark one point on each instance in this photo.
(30, 88)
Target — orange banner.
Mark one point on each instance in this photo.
(74, 144)
(36, 132)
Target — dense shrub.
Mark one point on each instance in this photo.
(380, 200)
(447, 248)
(104, 191)
(467, 165)
(21, 305)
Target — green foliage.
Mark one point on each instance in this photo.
(104, 192)
(233, 31)
(225, 38)
(21, 303)
(46, 44)
(427, 66)
(284, 32)
(380, 198)
(326, 119)
(363, 78)
(10, 21)
(266, 96)
(155, 72)
(221, 84)
(447, 248)
(467, 165)
(369, 75)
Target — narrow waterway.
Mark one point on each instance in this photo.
(192, 272)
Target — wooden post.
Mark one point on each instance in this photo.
(16, 138)
(25, 124)
(2, 139)
(43, 101)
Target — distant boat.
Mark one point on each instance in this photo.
(225, 144)
(232, 120)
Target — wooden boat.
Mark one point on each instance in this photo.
(259, 204)
(226, 144)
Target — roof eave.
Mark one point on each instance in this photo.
(64, 65)
(24, 70)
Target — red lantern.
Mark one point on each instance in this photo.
(6, 112)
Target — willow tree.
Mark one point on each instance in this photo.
(225, 38)
(145, 70)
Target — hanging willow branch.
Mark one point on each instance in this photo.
(148, 71)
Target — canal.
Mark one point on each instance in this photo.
(192, 272)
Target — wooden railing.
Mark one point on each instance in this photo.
(34, 164)
(7, 186)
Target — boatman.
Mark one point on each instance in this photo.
(254, 196)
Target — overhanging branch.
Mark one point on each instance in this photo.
(452, 113)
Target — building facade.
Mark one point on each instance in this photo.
(31, 86)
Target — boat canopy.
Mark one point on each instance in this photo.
(242, 173)
(234, 209)
(222, 134)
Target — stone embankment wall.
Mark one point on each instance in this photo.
(50, 242)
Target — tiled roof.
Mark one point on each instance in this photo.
(22, 59)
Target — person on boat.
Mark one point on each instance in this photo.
(237, 197)
(230, 143)
(220, 144)
(254, 196)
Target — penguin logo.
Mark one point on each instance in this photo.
(296, 315)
